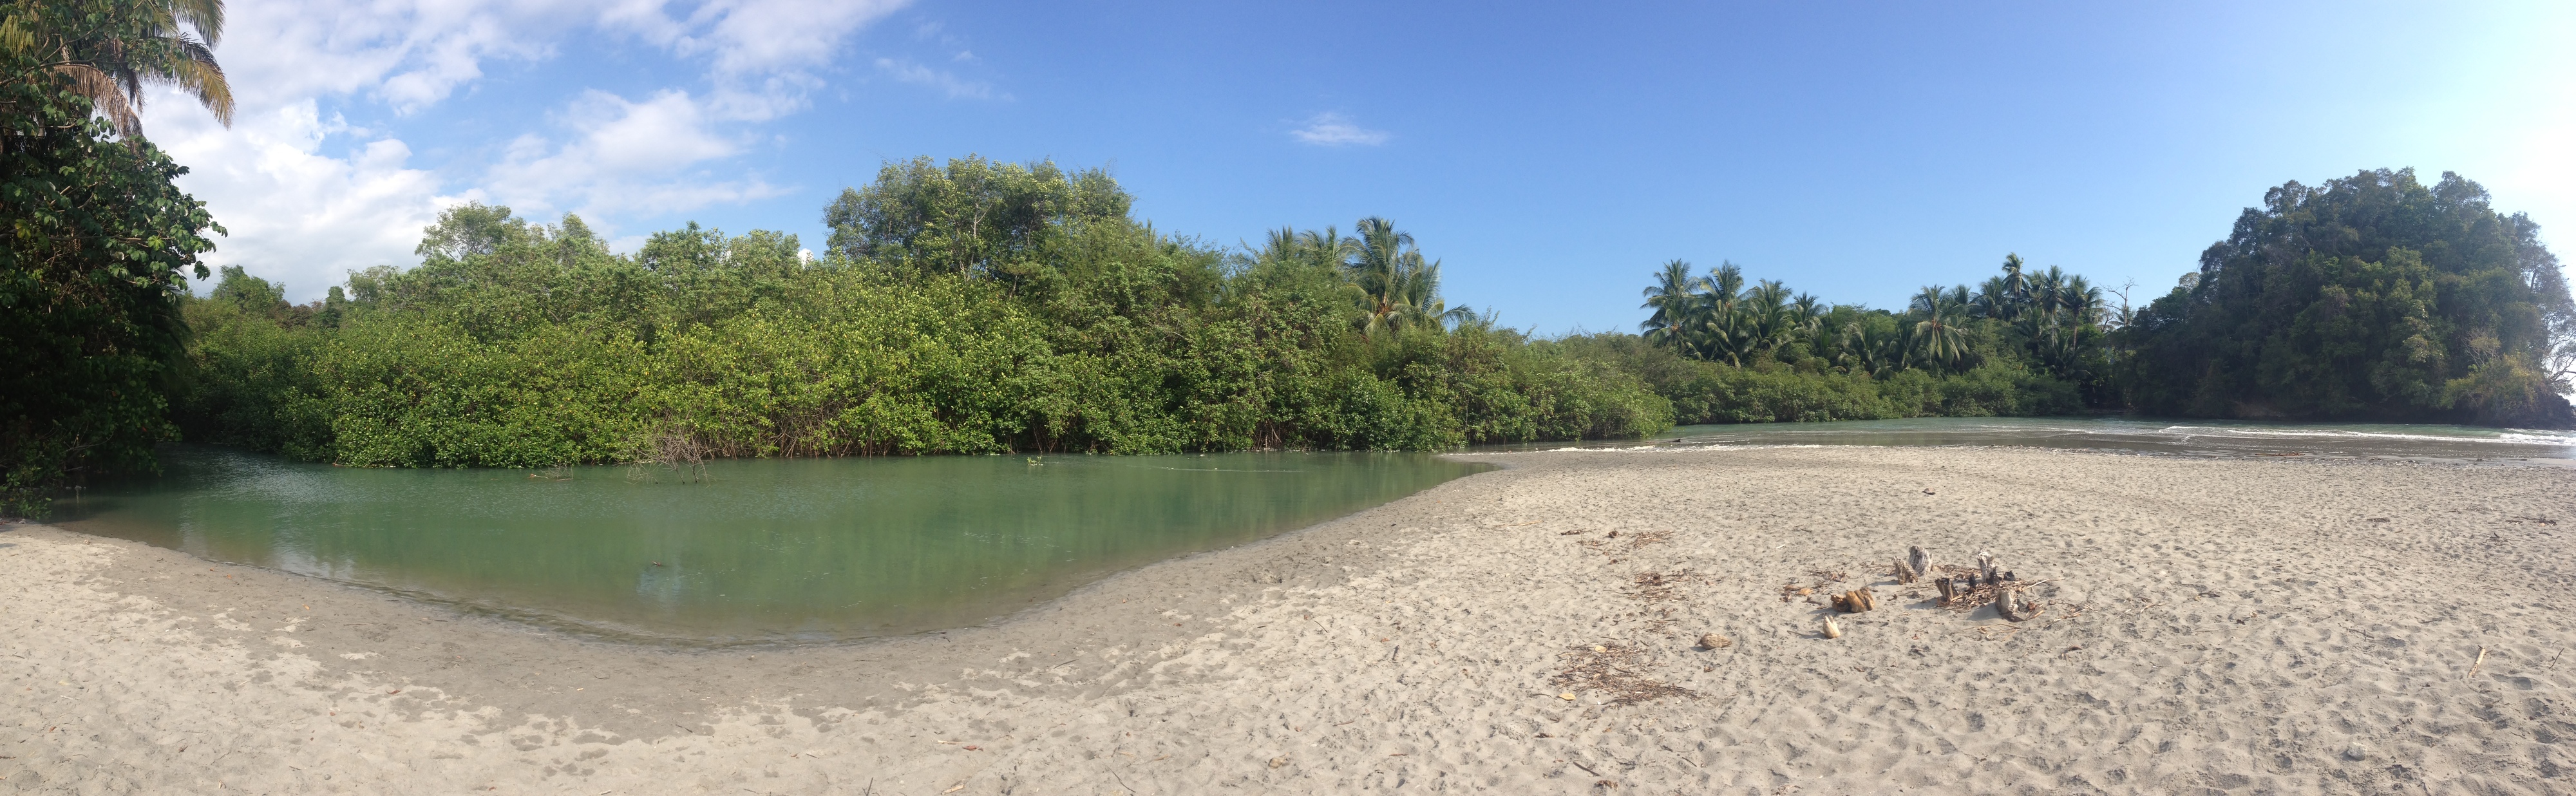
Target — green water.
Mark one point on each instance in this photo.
(760, 551)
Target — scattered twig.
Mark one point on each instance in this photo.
(1655, 587)
(1614, 668)
(2473, 667)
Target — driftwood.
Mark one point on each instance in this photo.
(1832, 630)
(2010, 603)
(1712, 641)
(1904, 571)
(1948, 587)
(1855, 601)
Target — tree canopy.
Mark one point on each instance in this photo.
(2371, 297)
(965, 307)
(98, 242)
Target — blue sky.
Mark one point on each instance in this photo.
(1551, 156)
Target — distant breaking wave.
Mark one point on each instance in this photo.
(2508, 437)
(2219, 438)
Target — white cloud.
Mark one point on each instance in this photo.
(956, 87)
(1333, 129)
(307, 196)
(623, 158)
(294, 213)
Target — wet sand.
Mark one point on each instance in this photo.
(2276, 625)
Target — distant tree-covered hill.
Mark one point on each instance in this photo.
(2371, 297)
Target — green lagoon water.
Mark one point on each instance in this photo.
(761, 551)
(819, 550)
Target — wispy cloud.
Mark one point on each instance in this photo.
(957, 87)
(1333, 129)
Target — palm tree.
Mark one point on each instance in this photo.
(2047, 289)
(2081, 300)
(1671, 297)
(1944, 334)
(1875, 353)
(1398, 290)
(1725, 281)
(1767, 315)
(2015, 285)
(1995, 300)
(1806, 315)
(117, 48)
(1725, 335)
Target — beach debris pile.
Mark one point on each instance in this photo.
(1965, 588)
(1960, 588)
(1855, 601)
(1616, 671)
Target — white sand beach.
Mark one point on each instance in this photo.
(2275, 625)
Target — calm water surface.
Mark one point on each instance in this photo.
(762, 551)
(810, 550)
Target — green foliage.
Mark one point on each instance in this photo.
(2372, 297)
(1772, 391)
(1723, 352)
(97, 246)
(970, 308)
(973, 216)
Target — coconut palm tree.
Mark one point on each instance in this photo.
(1672, 297)
(1943, 334)
(1995, 300)
(2015, 285)
(107, 50)
(1767, 315)
(2046, 289)
(1726, 334)
(1398, 290)
(1725, 281)
(1325, 249)
(2080, 299)
(1806, 316)
(1875, 353)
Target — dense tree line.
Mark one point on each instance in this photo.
(971, 307)
(2024, 343)
(981, 307)
(2371, 297)
(98, 244)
